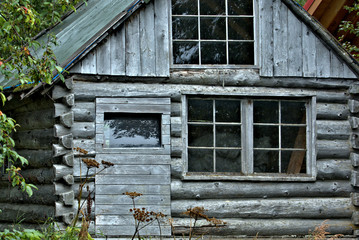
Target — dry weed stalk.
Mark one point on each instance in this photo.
(197, 213)
(320, 232)
(143, 218)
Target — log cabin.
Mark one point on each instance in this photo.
(247, 108)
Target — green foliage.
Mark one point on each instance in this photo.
(352, 28)
(26, 234)
(301, 2)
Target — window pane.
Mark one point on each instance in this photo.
(265, 137)
(200, 160)
(293, 112)
(200, 136)
(240, 7)
(185, 28)
(213, 53)
(228, 111)
(228, 136)
(293, 137)
(132, 130)
(240, 28)
(212, 7)
(241, 53)
(265, 112)
(184, 7)
(293, 162)
(266, 161)
(200, 110)
(185, 53)
(228, 161)
(213, 28)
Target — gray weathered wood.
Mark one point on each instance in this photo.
(134, 159)
(262, 227)
(69, 99)
(103, 60)
(280, 38)
(35, 119)
(83, 130)
(333, 149)
(30, 213)
(143, 189)
(39, 175)
(309, 52)
(228, 190)
(128, 231)
(295, 46)
(332, 130)
(353, 106)
(300, 208)
(354, 122)
(137, 169)
(59, 150)
(332, 111)
(336, 66)
(162, 38)
(176, 126)
(44, 195)
(89, 63)
(84, 111)
(61, 171)
(334, 169)
(66, 141)
(133, 179)
(106, 209)
(67, 119)
(354, 157)
(133, 64)
(61, 109)
(147, 41)
(38, 158)
(143, 200)
(68, 159)
(118, 56)
(87, 144)
(59, 92)
(323, 60)
(266, 37)
(34, 139)
(60, 130)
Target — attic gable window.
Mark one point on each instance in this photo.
(213, 32)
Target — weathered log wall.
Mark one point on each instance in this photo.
(33, 141)
(293, 207)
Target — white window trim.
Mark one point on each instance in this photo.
(247, 158)
(220, 66)
(134, 105)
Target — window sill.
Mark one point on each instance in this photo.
(268, 177)
(193, 66)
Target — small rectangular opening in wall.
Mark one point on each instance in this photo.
(132, 130)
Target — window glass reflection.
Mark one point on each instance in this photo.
(132, 130)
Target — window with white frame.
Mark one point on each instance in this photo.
(249, 136)
(207, 32)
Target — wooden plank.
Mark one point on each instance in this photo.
(134, 108)
(164, 149)
(133, 64)
(266, 37)
(302, 208)
(163, 200)
(231, 190)
(127, 159)
(147, 101)
(89, 63)
(87, 144)
(161, 9)
(348, 73)
(118, 52)
(295, 45)
(84, 111)
(323, 60)
(143, 189)
(336, 66)
(280, 38)
(133, 179)
(116, 209)
(103, 60)
(123, 220)
(128, 231)
(309, 52)
(137, 169)
(147, 41)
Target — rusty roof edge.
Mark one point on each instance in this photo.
(324, 34)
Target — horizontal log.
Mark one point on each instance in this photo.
(59, 91)
(333, 130)
(333, 149)
(76, 189)
(176, 147)
(84, 111)
(176, 168)
(27, 213)
(86, 144)
(39, 176)
(61, 171)
(334, 111)
(44, 195)
(38, 158)
(35, 103)
(59, 150)
(176, 109)
(233, 190)
(176, 126)
(302, 208)
(333, 96)
(67, 119)
(39, 119)
(83, 130)
(34, 139)
(329, 169)
(61, 109)
(262, 227)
